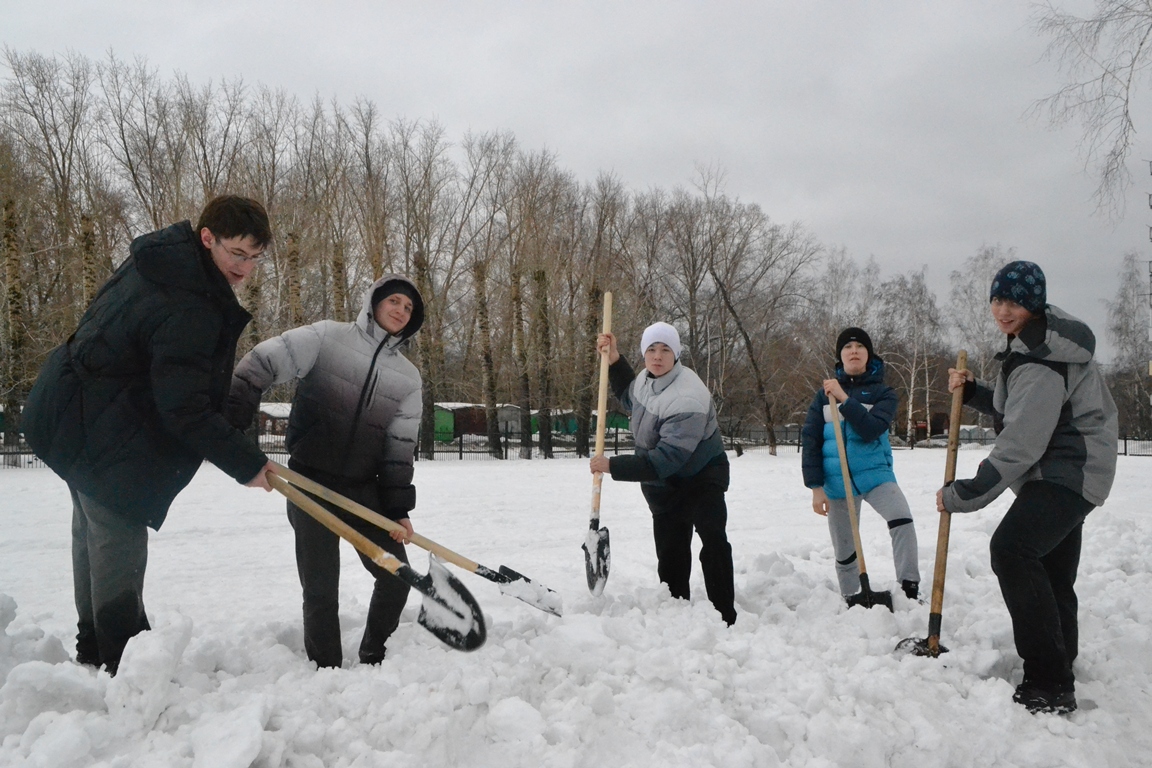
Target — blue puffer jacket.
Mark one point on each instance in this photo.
(866, 416)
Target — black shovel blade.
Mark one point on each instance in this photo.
(521, 587)
(448, 610)
(919, 646)
(597, 558)
(870, 599)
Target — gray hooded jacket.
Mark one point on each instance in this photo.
(1059, 420)
(356, 412)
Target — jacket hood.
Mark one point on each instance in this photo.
(873, 374)
(162, 257)
(1057, 337)
(367, 321)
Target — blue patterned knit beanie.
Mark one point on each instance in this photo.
(1022, 282)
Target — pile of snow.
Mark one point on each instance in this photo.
(628, 678)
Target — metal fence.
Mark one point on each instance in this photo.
(475, 447)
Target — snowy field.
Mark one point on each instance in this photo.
(632, 678)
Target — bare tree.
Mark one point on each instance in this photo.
(1128, 329)
(1106, 57)
(968, 307)
(214, 120)
(911, 335)
(145, 139)
(757, 269)
(48, 106)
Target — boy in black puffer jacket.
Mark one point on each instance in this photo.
(129, 408)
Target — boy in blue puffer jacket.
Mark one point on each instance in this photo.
(867, 406)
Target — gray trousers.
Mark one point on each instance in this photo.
(889, 501)
(109, 556)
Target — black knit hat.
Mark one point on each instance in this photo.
(854, 334)
(404, 288)
(1022, 282)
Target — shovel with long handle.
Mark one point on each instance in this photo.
(930, 646)
(510, 582)
(597, 552)
(865, 597)
(448, 610)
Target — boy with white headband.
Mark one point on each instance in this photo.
(679, 462)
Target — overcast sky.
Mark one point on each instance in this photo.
(896, 129)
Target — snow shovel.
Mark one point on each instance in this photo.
(930, 646)
(448, 610)
(511, 583)
(865, 597)
(597, 553)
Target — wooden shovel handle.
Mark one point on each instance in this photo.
(335, 524)
(375, 518)
(848, 496)
(946, 517)
(601, 408)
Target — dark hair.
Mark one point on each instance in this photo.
(234, 216)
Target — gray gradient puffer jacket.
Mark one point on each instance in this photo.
(1059, 420)
(357, 406)
(673, 421)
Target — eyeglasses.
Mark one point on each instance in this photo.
(242, 258)
(239, 257)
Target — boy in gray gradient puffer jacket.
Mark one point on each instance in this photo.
(1056, 448)
(353, 428)
(679, 462)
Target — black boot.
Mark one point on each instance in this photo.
(87, 649)
(1039, 697)
(911, 589)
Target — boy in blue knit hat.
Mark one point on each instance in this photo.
(1056, 449)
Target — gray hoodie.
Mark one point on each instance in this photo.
(356, 412)
(1059, 420)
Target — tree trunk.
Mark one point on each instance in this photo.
(340, 281)
(427, 342)
(14, 367)
(487, 369)
(520, 348)
(251, 302)
(544, 361)
(587, 362)
(89, 260)
(295, 306)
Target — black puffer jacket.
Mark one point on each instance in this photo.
(129, 408)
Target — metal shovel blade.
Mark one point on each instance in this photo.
(448, 610)
(521, 587)
(919, 646)
(597, 558)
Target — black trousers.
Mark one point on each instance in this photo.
(695, 503)
(318, 564)
(1035, 554)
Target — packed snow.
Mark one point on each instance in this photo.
(629, 678)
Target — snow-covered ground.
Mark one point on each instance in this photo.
(631, 678)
